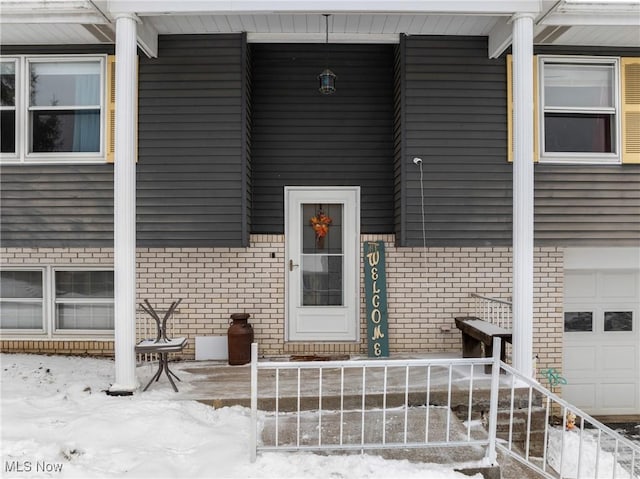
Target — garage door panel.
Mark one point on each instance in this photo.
(618, 395)
(602, 340)
(580, 285)
(619, 359)
(617, 285)
(580, 358)
(582, 395)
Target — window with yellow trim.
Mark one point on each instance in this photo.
(579, 104)
(53, 108)
(586, 109)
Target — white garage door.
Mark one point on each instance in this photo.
(602, 340)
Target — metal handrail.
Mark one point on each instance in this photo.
(493, 310)
(615, 456)
(611, 455)
(489, 298)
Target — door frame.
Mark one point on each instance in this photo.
(351, 293)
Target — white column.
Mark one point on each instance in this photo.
(523, 193)
(124, 220)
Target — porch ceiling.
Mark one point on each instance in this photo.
(567, 22)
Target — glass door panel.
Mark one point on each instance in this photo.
(322, 255)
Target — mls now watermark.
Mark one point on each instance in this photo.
(32, 466)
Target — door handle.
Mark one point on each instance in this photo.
(292, 265)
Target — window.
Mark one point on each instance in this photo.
(56, 302)
(579, 321)
(8, 107)
(54, 107)
(618, 321)
(84, 300)
(64, 107)
(579, 104)
(22, 300)
(586, 110)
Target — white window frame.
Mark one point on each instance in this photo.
(16, 107)
(55, 301)
(23, 331)
(49, 321)
(581, 158)
(23, 127)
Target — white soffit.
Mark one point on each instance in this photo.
(310, 28)
(44, 34)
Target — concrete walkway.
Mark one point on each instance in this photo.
(218, 384)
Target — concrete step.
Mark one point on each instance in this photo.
(468, 459)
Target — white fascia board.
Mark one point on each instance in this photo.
(49, 11)
(602, 19)
(477, 7)
(147, 37)
(500, 37)
(52, 18)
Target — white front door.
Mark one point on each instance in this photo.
(322, 229)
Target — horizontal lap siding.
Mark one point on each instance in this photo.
(399, 164)
(303, 138)
(191, 179)
(56, 205)
(587, 205)
(454, 118)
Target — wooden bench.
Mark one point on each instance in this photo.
(476, 333)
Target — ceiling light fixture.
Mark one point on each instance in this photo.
(327, 78)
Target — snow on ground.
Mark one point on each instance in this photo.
(57, 421)
(584, 461)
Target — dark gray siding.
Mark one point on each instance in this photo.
(399, 146)
(301, 137)
(192, 143)
(587, 205)
(56, 205)
(192, 163)
(246, 123)
(454, 118)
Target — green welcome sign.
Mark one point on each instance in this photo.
(375, 285)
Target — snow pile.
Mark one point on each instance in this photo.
(591, 463)
(57, 422)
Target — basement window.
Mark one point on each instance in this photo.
(22, 300)
(56, 302)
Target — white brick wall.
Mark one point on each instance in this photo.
(426, 290)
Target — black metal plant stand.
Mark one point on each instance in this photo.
(162, 345)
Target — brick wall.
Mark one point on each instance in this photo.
(426, 290)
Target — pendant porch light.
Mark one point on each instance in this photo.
(327, 78)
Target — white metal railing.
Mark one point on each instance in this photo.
(588, 449)
(375, 404)
(355, 402)
(493, 310)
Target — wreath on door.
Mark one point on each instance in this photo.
(320, 224)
